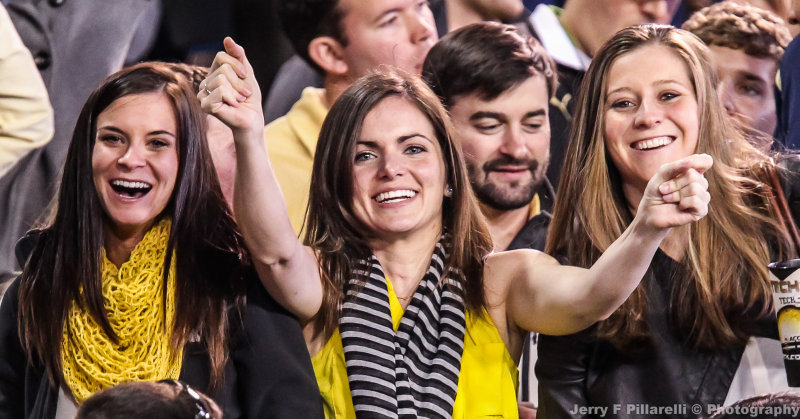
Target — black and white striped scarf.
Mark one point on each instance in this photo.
(414, 372)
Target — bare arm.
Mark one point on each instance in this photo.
(543, 296)
(288, 270)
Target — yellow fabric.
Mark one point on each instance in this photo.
(291, 142)
(486, 385)
(535, 207)
(134, 303)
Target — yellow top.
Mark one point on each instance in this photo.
(291, 142)
(486, 385)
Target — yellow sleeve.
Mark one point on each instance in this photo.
(292, 164)
(26, 117)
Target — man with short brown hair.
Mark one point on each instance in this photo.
(344, 39)
(747, 44)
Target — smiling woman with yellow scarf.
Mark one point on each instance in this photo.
(141, 275)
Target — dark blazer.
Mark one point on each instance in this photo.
(787, 98)
(268, 373)
(560, 112)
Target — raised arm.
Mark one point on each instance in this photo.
(287, 269)
(543, 296)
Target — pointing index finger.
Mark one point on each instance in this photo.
(698, 162)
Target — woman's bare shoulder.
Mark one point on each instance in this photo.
(514, 258)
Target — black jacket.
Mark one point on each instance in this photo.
(268, 373)
(560, 112)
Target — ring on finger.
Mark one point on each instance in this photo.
(207, 91)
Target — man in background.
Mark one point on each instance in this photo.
(787, 131)
(746, 45)
(344, 40)
(496, 84)
(296, 74)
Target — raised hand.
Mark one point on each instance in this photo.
(231, 92)
(677, 194)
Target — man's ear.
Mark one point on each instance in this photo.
(328, 53)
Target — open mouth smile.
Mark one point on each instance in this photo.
(395, 196)
(130, 189)
(653, 143)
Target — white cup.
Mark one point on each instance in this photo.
(785, 282)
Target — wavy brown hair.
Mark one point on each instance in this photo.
(64, 265)
(724, 283)
(335, 231)
(758, 32)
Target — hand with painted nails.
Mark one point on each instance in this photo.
(231, 92)
(677, 194)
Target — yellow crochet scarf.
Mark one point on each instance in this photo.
(133, 297)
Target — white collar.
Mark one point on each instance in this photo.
(555, 39)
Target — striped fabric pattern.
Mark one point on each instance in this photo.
(414, 372)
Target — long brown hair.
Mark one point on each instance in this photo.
(725, 280)
(64, 265)
(335, 232)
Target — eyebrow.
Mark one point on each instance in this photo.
(751, 76)
(485, 114)
(531, 114)
(119, 131)
(502, 117)
(657, 82)
(400, 139)
(386, 12)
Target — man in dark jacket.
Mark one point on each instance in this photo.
(496, 83)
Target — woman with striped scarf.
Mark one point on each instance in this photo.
(406, 311)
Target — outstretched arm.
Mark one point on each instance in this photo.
(287, 269)
(543, 296)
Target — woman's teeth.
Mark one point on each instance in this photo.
(130, 184)
(394, 196)
(130, 188)
(652, 143)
